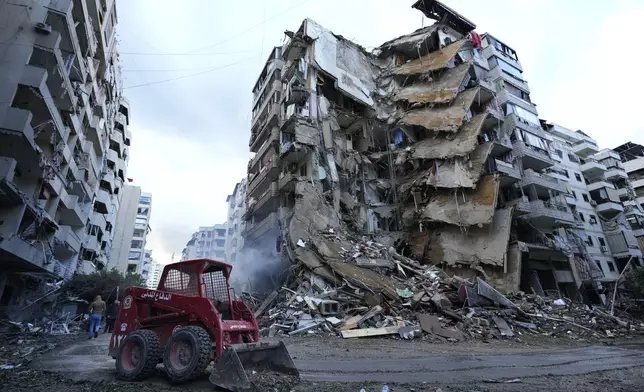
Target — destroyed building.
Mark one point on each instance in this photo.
(632, 192)
(429, 145)
(64, 142)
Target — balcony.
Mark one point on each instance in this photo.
(497, 72)
(99, 221)
(616, 173)
(509, 173)
(102, 201)
(513, 121)
(541, 182)
(532, 157)
(504, 97)
(92, 160)
(608, 207)
(47, 55)
(584, 148)
(273, 139)
(71, 212)
(108, 180)
(267, 202)
(267, 121)
(256, 230)
(268, 172)
(547, 214)
(67, 242)
(92, 243)
(95, 133)
(599, 185)
(591, 168)
(287, 182)
(491, 50)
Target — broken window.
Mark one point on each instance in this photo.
(593, 221)
(611, 266)
(581, 217)
(585, 196)
(573, 158)
(578, 177)
(600, 266)
(601, 241)
(589, 241)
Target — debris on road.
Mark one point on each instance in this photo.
(378, 292)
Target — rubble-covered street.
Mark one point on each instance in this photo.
(331, 364)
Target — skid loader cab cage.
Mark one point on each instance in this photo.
(200, 278)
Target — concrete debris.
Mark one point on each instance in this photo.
(443, 119)
(418, 300)
(22, 342)
(431, 62)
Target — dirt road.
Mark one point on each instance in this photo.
(332, 365)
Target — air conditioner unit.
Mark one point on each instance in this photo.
(604, 249)
(43, 28)
(593, 203)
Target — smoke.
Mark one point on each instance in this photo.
(259, 267)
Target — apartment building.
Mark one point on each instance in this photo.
(209, 242)
(63, 139)
(133, 227)
(632, 156)
(236, 225)
(146, 264)
(154, 276)
(430, 143)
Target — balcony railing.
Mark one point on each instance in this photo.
(530, 177)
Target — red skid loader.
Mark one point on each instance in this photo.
(188, 322)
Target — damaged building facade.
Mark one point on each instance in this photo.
(236, 225)
(63, 142)
(429, 145)
(632, 193)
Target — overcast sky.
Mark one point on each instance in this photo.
(190, 135)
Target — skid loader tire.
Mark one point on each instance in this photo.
(138, 355)
(180, 368)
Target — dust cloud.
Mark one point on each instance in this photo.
(259, 268)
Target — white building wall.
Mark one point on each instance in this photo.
(236, 224)
(209, 242)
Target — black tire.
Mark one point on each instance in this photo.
(187, 354)
(138, 355)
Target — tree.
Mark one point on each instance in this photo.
(634, 282)
(103, 283)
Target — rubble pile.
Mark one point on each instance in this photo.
(22, 342)
(399, 296)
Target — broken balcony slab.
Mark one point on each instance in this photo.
(458, 206)
(485, 245)
(442, 90)
(366, 278)
(433, 61)
(455, 173)
(462, 144)
(420, 42)
(445, 118)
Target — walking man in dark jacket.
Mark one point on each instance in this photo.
(112, 313)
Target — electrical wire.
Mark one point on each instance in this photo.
(250, 28)
(188, 76)
(148, 53)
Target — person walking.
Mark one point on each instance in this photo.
(96, 312)
(112, 313)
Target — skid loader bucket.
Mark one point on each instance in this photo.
(230, 370)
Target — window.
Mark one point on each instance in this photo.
(599, 265)
(136, 244)
(586, 199)
(574, 195)
(509, 69)
(143, 210)
(581, 217)
(593, 220)
(524, 114)
(220, 243)
(134, 255)
(601, 241)
(559, 153)
(303, 171)
(611, 266)
(573, 158)
(578, 177)
(145, 200)
(589, 241)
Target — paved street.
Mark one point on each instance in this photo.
(88, 360)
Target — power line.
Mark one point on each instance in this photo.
(188, 76)
(250, 28)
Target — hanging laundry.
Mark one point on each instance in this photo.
(476, 40)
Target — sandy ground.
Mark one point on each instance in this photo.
(384, 353)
